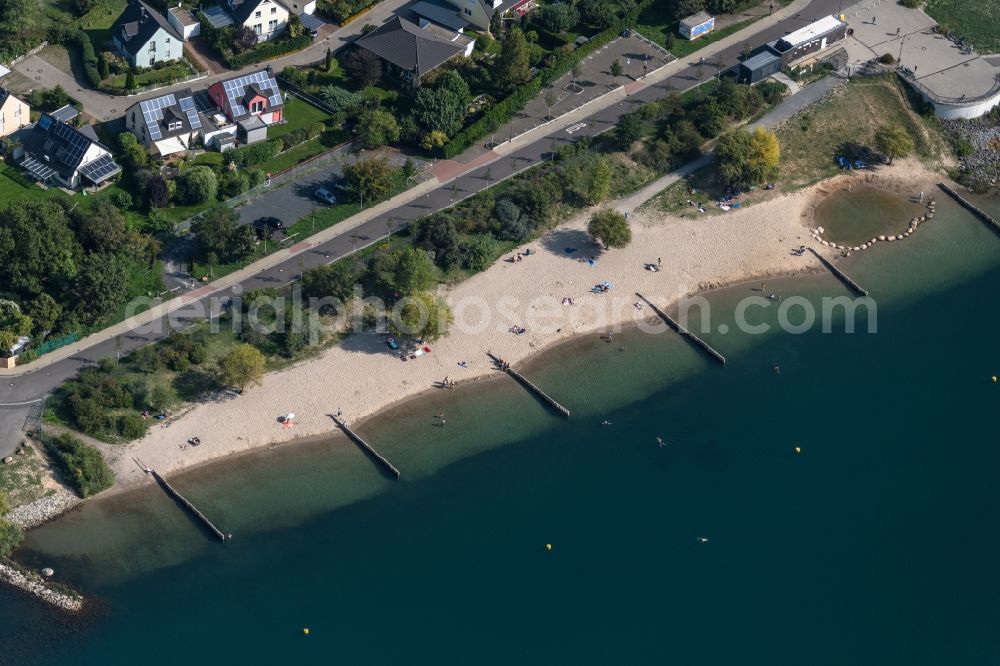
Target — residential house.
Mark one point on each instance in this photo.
(410, 51)
(54, 152)
(144, 37)
(255, 94)
(166, 124)
(267, 18)
(477, 12)
(14, 114)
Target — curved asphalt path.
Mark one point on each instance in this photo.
(36, 384)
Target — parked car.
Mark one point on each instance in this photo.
(266, 226)
(325, 196)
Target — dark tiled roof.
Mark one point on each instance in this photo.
(408, 46)
(139, 22)
(440, 13)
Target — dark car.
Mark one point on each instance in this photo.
(266, 226)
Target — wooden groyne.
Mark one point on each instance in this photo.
(366, 447)
(183, 501)
(539, 393)
(684, 333)
(844, 277)
(982, 214)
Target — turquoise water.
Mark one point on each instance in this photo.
(877, 544)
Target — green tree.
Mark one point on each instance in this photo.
(557, 18)
(440, 109)
(4, 505)
(598, 13)
(198, 185)
(421, 315)
(616, 69)
(337, 280)
(600, 182)
(628, 130)
(370, 178)
(414, 271)
(496, 24)
(130, 80)
(610, 228)
(479, 253)
(377, 128)
(214, 231)
(513, 65)
(745, 159)
(363, 66)
(101, 287)
(104, 228)
(893, 141)
(44, 311)
(38, 249)
(243, 366)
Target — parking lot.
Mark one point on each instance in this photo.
(293, 201)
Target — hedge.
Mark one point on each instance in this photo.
(89, 57)
(256, 153)
(345, 11)
(267, 50)
(505, 109)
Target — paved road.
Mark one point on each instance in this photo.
(37, 383)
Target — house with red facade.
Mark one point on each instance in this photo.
(253, 95)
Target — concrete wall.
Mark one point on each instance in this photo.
(957, 111)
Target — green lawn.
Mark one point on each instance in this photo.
(98, 21)
(978, 22)
(304, 151)
(15, 186)
(299, 114)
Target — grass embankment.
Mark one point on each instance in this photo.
(21, 481)
(842, 123)
(978, 22)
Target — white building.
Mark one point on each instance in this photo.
(166, 124)
(267, 18)
(14, 114)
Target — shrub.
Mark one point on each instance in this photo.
(198, 185)
(963, 147)
(132, 426)
(912, 4)
(256, 153)
(83, 465)
(887, 59)
(610, 228)
(478, 254)
(266, 50)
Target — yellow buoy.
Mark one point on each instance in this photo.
(306, 631)
(548, 546)
(994, 379)
(798, 449)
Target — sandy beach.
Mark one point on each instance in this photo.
(362, 376)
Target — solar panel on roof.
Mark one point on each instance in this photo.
(236, 88)
(100, 169)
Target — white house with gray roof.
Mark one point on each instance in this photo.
(166, 124)
(144, 37)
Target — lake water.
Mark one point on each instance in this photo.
(853, 217)
(876, 544)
